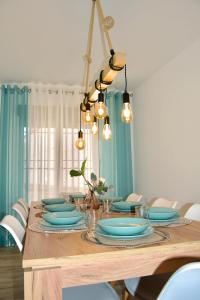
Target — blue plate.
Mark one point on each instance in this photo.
(145, 233)
(77, 196)
(47, 225)
(60, 207)
(125, 206)
(112, 199)
(161, 213)
(123, 226)
(53, 201)
(62, 218)
(165, 221)
(120, 210)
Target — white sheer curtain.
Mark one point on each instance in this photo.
(53, 128)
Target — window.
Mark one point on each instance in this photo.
(51, 157)
(72, 158)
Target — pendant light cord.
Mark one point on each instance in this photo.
(125, 73)
(104, 31)
(87, 57)
(101, 15)
(80, 119)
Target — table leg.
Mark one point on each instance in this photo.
(42, 285)
(28, 285)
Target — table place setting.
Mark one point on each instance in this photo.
(50, 201)
(124, 206)
(55, 205)
(162, 216)
(124, 232)
(59, 217)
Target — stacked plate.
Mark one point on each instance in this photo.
(60, 207)
(124, 206)
(112, 199)
(162, 215)
(58, 221)
(123, 228)
(49, 201)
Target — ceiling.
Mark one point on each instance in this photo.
(44, 40)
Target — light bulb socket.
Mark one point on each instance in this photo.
(126, 97)
(87, 106)
(80, 134)
(101, 97)
(107, 120)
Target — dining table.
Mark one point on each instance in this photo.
(55, 261)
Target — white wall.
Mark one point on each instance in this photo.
(167, 130)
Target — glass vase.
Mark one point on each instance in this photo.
(92, 201)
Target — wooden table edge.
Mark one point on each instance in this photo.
(53, 262)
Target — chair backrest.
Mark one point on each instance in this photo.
(11, 224)
(184, 284)
(162, 202)
(21, 212)
(22, 202)
(134, 197)
(193, 212)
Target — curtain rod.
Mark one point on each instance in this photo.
(56, 91)
(50, 91)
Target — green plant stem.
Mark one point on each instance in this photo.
(88, 183)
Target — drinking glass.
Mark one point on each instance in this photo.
(141, 211)
(92, 216)
(107, 205)
(83, 206)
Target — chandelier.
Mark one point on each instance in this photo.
(93, 107)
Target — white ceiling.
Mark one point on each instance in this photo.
(44, 40)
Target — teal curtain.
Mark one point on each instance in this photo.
(13, 151)
(116, 154)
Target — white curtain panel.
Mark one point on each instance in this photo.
(53, 129)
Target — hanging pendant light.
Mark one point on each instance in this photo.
(94, 127)
(100, 109)
(88, 116)
(107, 133)
(127, 113)
(80, 142)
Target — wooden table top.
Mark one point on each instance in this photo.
(69, 249)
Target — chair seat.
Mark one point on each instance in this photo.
(132, 284)
(101, 291)
(147, 287)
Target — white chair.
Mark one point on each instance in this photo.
(162, 202)
(101, 291)
(21, 212)
(17, 231)
(133, 283)
(184, 284)
(23, 203)
(193, 212)
(134, 197)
